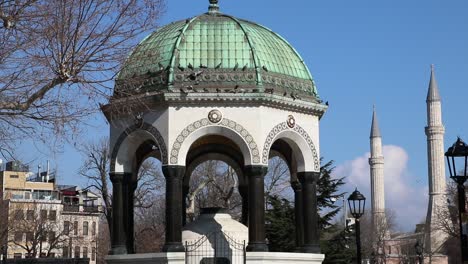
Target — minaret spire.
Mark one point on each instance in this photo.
(436, 168)
(433, 91)
(376, 162)
(375, 131)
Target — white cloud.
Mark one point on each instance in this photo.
(408, 201)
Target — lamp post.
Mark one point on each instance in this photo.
(357, 203)
(457, 154)
(419, 252)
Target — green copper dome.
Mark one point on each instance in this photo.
(215, 52)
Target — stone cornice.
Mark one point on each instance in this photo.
(153, 100)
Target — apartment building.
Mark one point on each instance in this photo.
(40, 219)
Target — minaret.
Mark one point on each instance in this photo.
(436, 169)
(376, 162)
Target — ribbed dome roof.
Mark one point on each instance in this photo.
(214, 51)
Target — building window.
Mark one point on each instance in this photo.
(51, 237)
(44, 214)
(28, 255)
(85, 228)
(66, 228)
(75, 228)
(53, 215)
(93, 254)
(30, 215)
(17, 255)
(27, 195)
(19, 214)
(29, 236)
(93, 229)
(77, 252)
(85, 252)
(18, 237)
(65, 252)
(43, 236)
(14, 176)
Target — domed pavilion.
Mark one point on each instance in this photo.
(215, 87)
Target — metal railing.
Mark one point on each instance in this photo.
(215, 248)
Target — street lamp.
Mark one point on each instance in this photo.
(457, 154)
(357, 203)
(419, 252)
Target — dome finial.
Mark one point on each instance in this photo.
(214, 7)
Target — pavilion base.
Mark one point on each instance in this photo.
(251, 258)
(434, 259)
(150, 258)
(283, 258)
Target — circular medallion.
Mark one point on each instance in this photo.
(291, 121)
(215, 116)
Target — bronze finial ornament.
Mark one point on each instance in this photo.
(214, 7)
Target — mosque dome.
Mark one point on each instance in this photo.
(215, 53)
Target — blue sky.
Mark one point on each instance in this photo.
(360, 53)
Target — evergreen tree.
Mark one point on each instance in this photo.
(279, 227)
(327, 194)
(280, 223)
(340, 248)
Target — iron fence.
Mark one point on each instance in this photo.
(215, 248)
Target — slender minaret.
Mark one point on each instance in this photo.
(376, 162)
(436, 169)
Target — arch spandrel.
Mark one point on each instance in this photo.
(300, 142)
(126, 145)
(226, 128)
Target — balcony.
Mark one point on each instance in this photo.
(91, 209)
(71, 208)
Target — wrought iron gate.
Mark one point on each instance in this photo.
(215, 248)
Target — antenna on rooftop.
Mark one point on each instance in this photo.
(47, 173)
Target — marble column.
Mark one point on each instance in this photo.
(309, 199)
(255, 176)
(129, 188)
(174, 176)
(298, 214)
(185, 192)
(119, 232)
(244, 193)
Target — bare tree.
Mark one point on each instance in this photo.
(58, 59)
(213, 184)
(278, 179)
(376, 235)
(95, 170)
(34, 232)
(150, 226)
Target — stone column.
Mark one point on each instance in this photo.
(185, 191)
(119, 235)
(255, 176)
(174, 176)
(244, 193)
(309, 198)
(129, 188)
(298, 215)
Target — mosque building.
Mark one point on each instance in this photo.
(432, 239)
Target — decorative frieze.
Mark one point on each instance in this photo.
(298, 129)
(230, 124)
